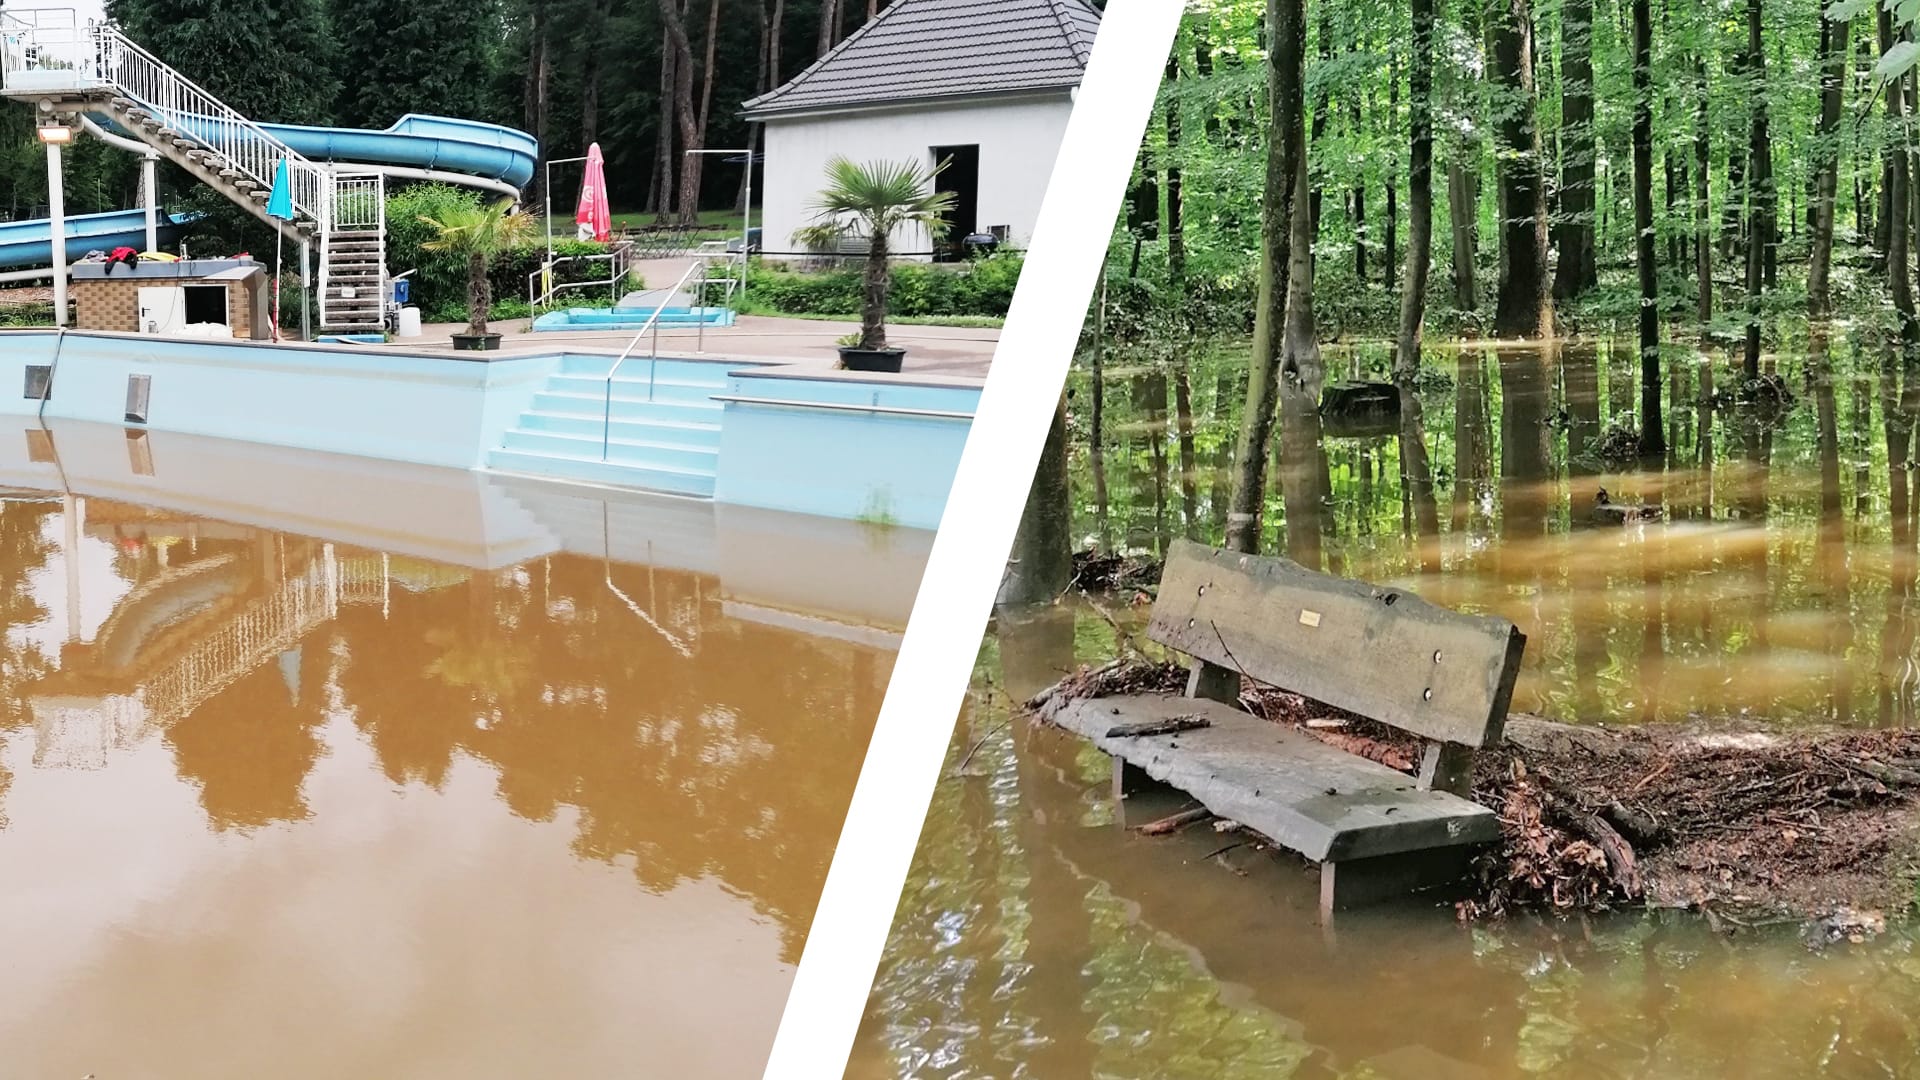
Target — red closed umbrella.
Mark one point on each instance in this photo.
(595, 217)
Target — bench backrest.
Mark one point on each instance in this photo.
(1380, 652)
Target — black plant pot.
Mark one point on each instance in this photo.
(477, 342)
(871, 359)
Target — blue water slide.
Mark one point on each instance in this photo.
(439, 143)
(442, 143)
(29, 244)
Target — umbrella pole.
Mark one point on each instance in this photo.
(279, 244)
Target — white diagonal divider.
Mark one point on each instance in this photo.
(936, 657)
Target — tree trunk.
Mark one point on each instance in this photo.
(1463, 200)
(1189, 464)
(1758, 149)
(590, 73)
(685, 119)
(829, 25)
(696, 164)
(873, 303)
(539, 78)
(1702, 210)
(1826, 184)
(1176, 225)
(479, 294)
(1286, 34)
(1413, 299)
(1578, 270)
(1390, 265)
(663, 155)
(1652, 437)
(1896, 216)
(1523, 308)
(1300, 370)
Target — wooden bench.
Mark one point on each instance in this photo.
(1381, 653)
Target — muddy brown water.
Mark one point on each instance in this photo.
(272, 805)
(1038, 939)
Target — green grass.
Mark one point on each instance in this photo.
(976, 322)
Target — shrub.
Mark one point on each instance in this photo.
(439, 286)
(983, 287)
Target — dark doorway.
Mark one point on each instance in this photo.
(962, 178)
(206, 304)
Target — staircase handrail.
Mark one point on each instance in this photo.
(653, 324)
(255, 153)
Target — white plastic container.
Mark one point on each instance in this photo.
(409, 322)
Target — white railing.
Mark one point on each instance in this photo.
(358, 201)
(184, 107)
(652, 324)
(619, 259)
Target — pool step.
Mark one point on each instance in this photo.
(674, 533)
(646, 453)
(663, 387)
(654, 427)
(697, 371)
(593, 470)
(667, 412)
(596, 425)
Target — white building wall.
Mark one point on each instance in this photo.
(1018, 141)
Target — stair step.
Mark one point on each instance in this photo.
(652, 455)
(678, 436)
(633, 385)
(592, 469)
(692, 413)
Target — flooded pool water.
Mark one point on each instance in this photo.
(301, 804)
(1037, 938)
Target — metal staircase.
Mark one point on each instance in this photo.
(68, 71)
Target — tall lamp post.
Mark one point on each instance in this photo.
(746, 219)
(56, 134)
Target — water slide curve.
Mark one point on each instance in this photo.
(435, 143)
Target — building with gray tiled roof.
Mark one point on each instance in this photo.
(985, 85)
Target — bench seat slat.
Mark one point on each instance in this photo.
(1302, 793)
(1380, 652)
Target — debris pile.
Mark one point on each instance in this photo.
(1097, 571)
(1744, 826)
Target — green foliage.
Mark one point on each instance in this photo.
(273, 60)
(432, 55)
(439, 285)
(980, 288)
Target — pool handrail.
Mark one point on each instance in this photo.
(653, 324)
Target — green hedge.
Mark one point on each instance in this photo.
(983, 287)
(439, 287)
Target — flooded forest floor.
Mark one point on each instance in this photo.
(1750, 828)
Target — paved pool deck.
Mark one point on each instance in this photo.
(952, 351)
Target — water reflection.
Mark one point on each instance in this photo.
(1775, 585)
(1038, 938)
(273, 804)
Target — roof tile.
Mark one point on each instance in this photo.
(916, 50)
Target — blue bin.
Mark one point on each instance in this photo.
(402, 289)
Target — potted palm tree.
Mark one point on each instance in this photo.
(478, 233)
(871, 201)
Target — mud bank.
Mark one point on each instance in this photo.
(1751, 828)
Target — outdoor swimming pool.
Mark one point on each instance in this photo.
(617, 318)
(324, 766)
(778, 437)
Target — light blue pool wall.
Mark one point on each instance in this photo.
(425, 410)
(867, 466)
(871, 466)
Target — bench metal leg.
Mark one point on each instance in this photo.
(1139, 799)
(1358, 882)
